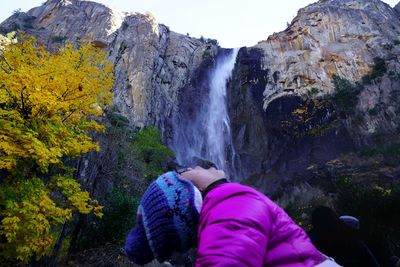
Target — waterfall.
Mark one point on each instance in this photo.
(207, 134)
(218, 134)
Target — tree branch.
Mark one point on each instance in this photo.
(5, 60)
(69, 115)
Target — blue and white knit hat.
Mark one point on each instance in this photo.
(167, 220)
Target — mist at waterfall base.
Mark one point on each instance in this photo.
(206, 134)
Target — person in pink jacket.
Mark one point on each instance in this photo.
(240, 226)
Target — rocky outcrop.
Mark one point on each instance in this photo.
(280, 123)
(397, 8)
(153, 67)
(152, 63)
(285, 122)
(275, 147)
(326, 38)
(59, 20)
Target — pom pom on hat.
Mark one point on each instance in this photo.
(136, 246)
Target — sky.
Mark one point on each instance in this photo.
(233, 23)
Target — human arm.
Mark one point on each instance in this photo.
(203, 178)
(234, 227)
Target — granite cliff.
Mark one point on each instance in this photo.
(282, 123)
(152, 63)
(302, 104)
(160, 73)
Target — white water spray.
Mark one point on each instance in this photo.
(207, 134)
(219, 137)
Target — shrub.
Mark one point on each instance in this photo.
(392, 74)
(346, 96)
(301, 201)
(376, 207)
(312, 92)
(17, 11)
(388, 46)
(150, 16)
(396, 42)
(390, 151)
(154, 155)
(119, 216)
(120, 181)
(366, 79)
(58, 39)
(117, 120)
(379, 68)
(28, 26)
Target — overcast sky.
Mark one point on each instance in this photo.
(233, 23)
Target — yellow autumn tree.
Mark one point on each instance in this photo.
(48, 107)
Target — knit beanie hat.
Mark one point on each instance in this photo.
(167, 220)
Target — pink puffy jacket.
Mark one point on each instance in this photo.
(239, 226)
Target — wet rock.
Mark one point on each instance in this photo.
(279, 129)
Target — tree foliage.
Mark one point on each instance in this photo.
(119, 216)
(48, 105)
(378, 70)
(148, 146)
(376, 206)
(47, 101)
(128, 156)
(346, 95)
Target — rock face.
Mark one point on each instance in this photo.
(326, 38)
(334, 37)
(280, 128)
(276, 146)
(397, 8)
(152, 64)
(280, 124)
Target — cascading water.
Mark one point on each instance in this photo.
(207, 134)
(219, 138)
